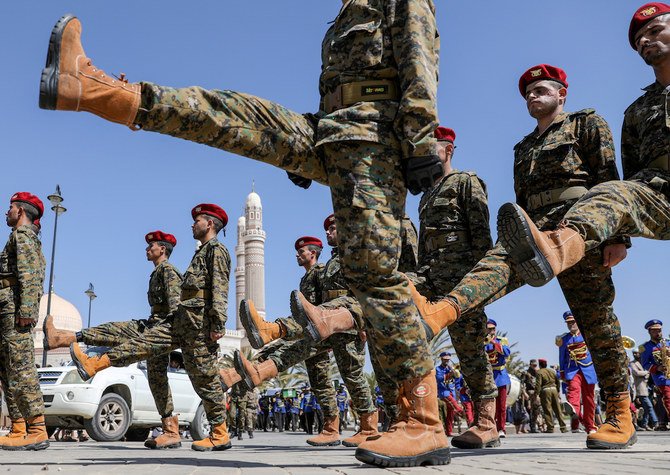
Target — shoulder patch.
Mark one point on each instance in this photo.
(583, 112)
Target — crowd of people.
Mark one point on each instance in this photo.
(375, 137)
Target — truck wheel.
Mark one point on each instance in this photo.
(111, 419)
(200, 425)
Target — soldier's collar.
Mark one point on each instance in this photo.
(654, 87)
(557, 120)
(334, 252)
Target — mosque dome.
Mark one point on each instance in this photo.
(253, 200)
(66, 316)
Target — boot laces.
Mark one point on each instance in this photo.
(611, 415)
(121, 77)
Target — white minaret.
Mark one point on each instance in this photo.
(239, 270)
(254, 252)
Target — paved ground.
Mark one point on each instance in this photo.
(286, 453)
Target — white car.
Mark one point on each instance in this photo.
(116, 402)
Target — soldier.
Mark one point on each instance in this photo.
(528, 380)
(21, 285)
(497, 352)
(576, 367)
(199, 322)
(639, 206)
(164, 289)
(655, 358)
(566, 154)
(251, 398)
(547, 386)
(238, 408)
(373, 134)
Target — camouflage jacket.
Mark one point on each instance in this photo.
(645, 137)
(454, 232)
(309, 284)
(331, 279)
(409, 246)
(209, 271)
(394, 40)
(251, 398)
(164, 290)
(576, 150)
(22, 259)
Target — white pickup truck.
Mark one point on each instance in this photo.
(116, 402)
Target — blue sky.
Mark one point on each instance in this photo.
(118, 185)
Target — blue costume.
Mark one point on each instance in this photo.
(498, 352)
(574, 356)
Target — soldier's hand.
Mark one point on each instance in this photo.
(299, 181)
(613, 254)
(421, 173)
(215, 336)
(24, 322)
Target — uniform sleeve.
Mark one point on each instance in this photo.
(630, 146)
(409, 247)
(172, 281)
(416, 51)
(29, 273)
(220, 280)
(562, 360)
(538, 383)
(477, 211)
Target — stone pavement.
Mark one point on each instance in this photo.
(286, 453)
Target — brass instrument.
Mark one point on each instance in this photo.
(628, 342)
(665, 357)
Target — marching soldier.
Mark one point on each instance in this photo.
(497, 351)
(639, 206)
(198, 324)
(372, 135)
(529, 379)
(655, 358)
(576, 367)
(164, 291)
(22, 268)
(251, 398)
(547, 386)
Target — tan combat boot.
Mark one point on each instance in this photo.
(484, 432)
(329, 435)
(436, 316)
(319, 322)
(539, 255)
(259, 332)
(417, 437)
(56, 338)
(229, 378)
(16, 433)
(169, 439)
(70, 81)
(88, 366)
(217, 440)
(254, 374)
(618, 431)
(36, 437)
(369, 423)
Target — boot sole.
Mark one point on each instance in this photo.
(163, 447)
(216, 448)
(467, 445)
(241, 370)
(80, 368)
(298, 312)
(515, 236)
(253, 335)
(349, 444)
(324, 444)
(38, 446)
(601, 445)
(49, 78)
(435, 457)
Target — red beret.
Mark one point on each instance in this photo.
(539, 73)
(37, 223)
(160, 236)
(445, 133)
(306, 241)
(211, 210)
(329, 220)
(542, 360)
(29, 198)
(644, 15)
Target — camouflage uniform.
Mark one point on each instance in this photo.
(164, 291)
(575, 151)
(454, 235)
(202, 309)
(21, 286)
(356, 148)
(640, 205)
(251, 400)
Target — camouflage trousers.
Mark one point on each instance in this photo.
(116, 333)
(349, 352)
(629, 208)
(241, 422)
(200, 353)
(589, 291)
(367, 190)
(17, 363)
